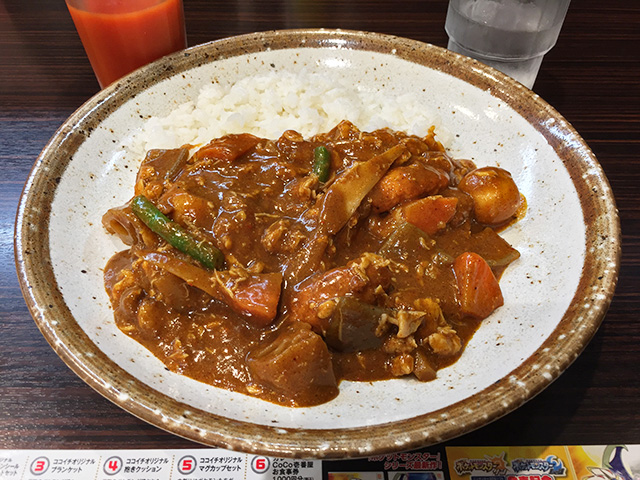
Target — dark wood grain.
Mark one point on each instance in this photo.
(592, 77)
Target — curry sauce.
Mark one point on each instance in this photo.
(375, 268)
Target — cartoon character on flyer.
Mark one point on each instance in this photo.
(614, 466)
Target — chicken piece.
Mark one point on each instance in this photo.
(402, 365)
(149, 314)
(190, 210)
(397, 345)
(407, 321)
(445, 341)
(282, 237)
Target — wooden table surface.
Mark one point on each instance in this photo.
(592, 77)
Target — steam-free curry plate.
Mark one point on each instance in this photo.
(556, 294)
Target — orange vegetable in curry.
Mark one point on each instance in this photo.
(383, 270)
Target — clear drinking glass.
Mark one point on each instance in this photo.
(510, 35)
(120, 36)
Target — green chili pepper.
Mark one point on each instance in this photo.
(176, 235)
(321, 163)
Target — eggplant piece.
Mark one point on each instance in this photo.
(355, 326)
(165, 164)
(407, 244)
(493, 248)
(423, 369)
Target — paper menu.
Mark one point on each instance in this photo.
(598, 462)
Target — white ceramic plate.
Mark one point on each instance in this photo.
(556, 294)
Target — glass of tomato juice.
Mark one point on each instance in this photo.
(120, 36)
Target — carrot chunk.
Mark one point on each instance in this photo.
(478, 288)
(405, 183)
(258, 297)
(430, 214)
(228, 148)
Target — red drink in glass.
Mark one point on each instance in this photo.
(120, 36)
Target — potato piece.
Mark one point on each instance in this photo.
(297, 365)
(495, 195)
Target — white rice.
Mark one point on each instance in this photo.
(269, 104)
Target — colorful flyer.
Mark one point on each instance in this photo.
(426, 464)
(596, 462)
(510, 463)
(610, 462)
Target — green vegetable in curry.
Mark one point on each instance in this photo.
(176, 235)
